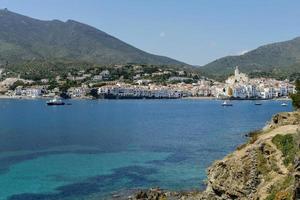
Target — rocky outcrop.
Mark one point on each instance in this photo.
(159, 194)
(233, 178)
(285, 118)
(152, 194)
(297, 179)
(257, 170)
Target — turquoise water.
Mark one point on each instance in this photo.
(93, 148)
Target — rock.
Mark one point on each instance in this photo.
(151, 194)
(285, 118)
(141, 195)
(246, 174)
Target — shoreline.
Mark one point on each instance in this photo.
(183, 98)
(200, 98)
(176, 193)
(286, 124)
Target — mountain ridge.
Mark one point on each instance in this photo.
(24, 38)
(280, 57)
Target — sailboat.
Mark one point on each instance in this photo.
(226, 104)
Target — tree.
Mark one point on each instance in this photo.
(16, 84)
(53, 84)
(296, 97)
(64, 95)
(94, 93)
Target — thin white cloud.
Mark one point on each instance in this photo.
(162, 34)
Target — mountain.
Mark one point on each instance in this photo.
(25, 39)
(282, 58)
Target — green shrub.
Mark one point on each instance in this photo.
(296, 97)
(262, 164)
(282, 190)
(254, 135)
(296, 100)
(94, 93)
(16, 84)
(286, 144)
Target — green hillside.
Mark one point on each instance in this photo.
(278, 60)
(24, 39)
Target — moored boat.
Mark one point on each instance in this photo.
(225, 103)
(284, 104)
(55, 102)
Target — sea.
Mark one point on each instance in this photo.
(94, 149)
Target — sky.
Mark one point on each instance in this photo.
(194, 31)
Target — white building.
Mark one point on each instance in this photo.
(237, 77)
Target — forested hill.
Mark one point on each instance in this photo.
(277, 59)
(26, 39)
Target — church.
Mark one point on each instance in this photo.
(237, 77)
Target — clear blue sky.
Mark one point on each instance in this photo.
(193, 31)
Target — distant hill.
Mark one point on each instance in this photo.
(277, 59)
(24, 39)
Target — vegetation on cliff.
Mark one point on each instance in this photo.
(296, 97)
(283, 190)
(267, 167)
(287, 145)
(263, 168)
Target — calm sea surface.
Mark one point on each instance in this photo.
(92, 148)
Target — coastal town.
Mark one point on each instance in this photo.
(149, 100)
(156, 84)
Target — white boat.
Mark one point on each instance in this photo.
(226, 104)
(284, 104)
(55, 102)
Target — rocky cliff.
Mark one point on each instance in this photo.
(266, 167)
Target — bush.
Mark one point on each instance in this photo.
(254, 135)
(296, 100)
(16, 84)
(94, 93)
(262, 163)
(282, 190)
(296, 97)
(53, 84)
(287, 145)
